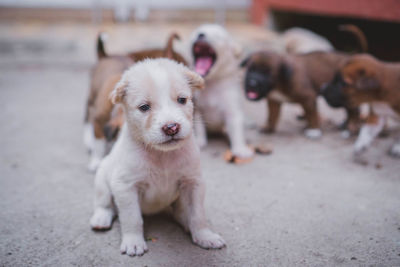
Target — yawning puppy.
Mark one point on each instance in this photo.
(215, 57)
(155, 163)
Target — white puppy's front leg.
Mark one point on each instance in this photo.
(200, 130)
(235, 130)
(104, 210)
(127, 200)
(189, 211)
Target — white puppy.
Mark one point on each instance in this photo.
(216, 57)
(155, 163)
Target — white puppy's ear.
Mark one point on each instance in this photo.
(195, 80)
(119, 92)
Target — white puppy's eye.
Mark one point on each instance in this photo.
(144, 107)
(182, 100)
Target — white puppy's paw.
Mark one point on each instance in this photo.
(94, 164)
(395, 150)
(133, 245)
(208, 239)
(102, 219)
(313, 133)
(244, 152)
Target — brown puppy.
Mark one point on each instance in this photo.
(292, 78)
(103, 120)
(296, 78)
(365, 79)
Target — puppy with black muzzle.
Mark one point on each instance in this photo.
(298, 78)
(155, 163)
(216, 57)
(292, 78)
(365, 79)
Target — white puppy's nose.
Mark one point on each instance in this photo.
(171, 129)
(201, 36)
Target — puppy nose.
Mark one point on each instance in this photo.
(171, 129)
(201, 36)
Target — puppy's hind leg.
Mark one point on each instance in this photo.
(104, 210)
(189, 211)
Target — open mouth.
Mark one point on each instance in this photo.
(204, 57)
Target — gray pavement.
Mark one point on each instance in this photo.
(307, 204)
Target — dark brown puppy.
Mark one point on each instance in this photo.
(365, 79)
(103, 119)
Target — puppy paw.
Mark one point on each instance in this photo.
(208, 239)
(395, 150)
(94, 164)
(102, 219)
(133, 245)
(313, 133)
(244, 152)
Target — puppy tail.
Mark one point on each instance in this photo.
(101, 38)
(358, 33)
(169, 49)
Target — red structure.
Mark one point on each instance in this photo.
(383, 10)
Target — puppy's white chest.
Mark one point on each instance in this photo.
(160, 190)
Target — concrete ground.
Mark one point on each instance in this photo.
(307, 204)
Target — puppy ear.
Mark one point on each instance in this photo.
(195, 80)
(245, 62)
(119, 92)
(285, 72)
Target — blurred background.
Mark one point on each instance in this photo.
(307, 204)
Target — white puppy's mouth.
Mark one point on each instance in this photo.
(204, 57)
(171, 143)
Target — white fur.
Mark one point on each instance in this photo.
(300, 41)
(88, 136)
(142, 175)
(219, 104)
(313, 133)
(369, 132)
(98, 151)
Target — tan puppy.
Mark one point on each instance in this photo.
(102, 121)
(155, 163)
(365, 79)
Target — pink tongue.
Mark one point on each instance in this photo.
(252, 95)
(203, 64)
